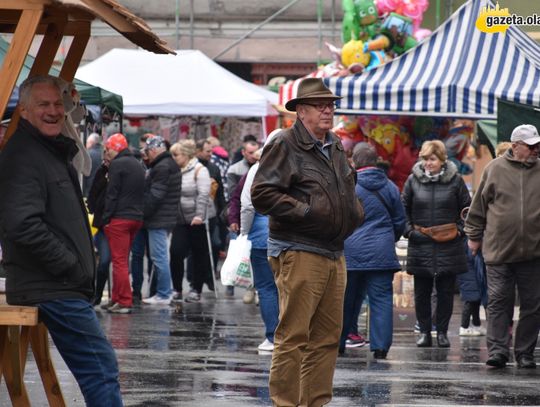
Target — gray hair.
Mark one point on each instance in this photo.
(26, 87)
(364, 155)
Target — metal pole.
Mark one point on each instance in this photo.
(243, 37)
(177, 23)
(333, 17)
(211, 255)
(319, 21)
(191, 28)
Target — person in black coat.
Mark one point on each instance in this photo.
(96, 206)
(47, 243)
(122, 216)
(161, 199)
(434, 194)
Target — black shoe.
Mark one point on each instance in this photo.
(497, 360)
(380, 354)
(424, 340)
(526, 362)
(442, 340)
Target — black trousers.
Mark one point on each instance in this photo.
(501, 280)
(470, 309)
(423, 287)
(188, 239)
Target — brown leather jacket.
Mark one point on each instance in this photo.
(310, 199)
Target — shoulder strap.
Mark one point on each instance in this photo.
(379, 196)
(198, 168)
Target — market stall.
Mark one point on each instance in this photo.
(181, 95)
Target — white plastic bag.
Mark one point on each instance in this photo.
(236, 269)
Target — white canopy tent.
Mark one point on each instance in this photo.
(186, 84)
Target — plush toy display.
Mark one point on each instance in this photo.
(75, 112)
(360, 20)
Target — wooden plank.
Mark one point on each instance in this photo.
(18, 49)
(13, 370)
(18, 315)
(40, 348)
(75, 53)
(23, 4)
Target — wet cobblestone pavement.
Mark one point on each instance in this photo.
(206, 355)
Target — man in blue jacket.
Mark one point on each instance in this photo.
(46, 240)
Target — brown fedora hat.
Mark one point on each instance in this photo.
(310, 88)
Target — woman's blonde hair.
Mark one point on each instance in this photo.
(436, 147)
(502, 147)
(186, 147)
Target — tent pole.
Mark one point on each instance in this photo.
(177, 24)
(191, 27)
(319, 23)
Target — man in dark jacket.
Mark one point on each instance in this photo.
(161, 200)
(306, 185)
(122, 216)
(47, 243)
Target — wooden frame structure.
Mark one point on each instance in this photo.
(54, 19)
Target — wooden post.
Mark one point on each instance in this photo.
(18, 49)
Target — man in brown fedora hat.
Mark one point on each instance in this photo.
(306, 185)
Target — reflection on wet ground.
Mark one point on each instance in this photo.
(206, 355)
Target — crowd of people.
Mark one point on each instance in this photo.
(323, 229)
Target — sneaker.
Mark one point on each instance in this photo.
(176, 298)
(193, 296)
(107, 305)
(354, 341)
(266, 346)
(478, 330)
(466, 331)
(157, 300)
(119, 309)
(249, 296)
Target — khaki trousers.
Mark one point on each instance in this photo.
(311, 289)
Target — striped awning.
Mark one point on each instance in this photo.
(458, 71)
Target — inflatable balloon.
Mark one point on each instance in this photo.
(412, 9)
(353, 53)
(396, 35)
(350, 27)
(404, 159)
(422, 33)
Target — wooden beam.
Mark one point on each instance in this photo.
(17, 51)
(76, 51)
(23, 5)
(42, 64)
(110, 16)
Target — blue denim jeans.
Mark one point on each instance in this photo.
(267, 290)
(102, 272)
(138, 249)
(77, 334)
(159, 253)
(378, 286)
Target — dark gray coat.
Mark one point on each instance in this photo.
(429, 204)
(44, 231)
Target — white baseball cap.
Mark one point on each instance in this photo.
(526, 133)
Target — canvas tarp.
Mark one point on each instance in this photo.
(186, 84)
(458, 71)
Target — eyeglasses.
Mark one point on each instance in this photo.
(531, 147)
(322, 106)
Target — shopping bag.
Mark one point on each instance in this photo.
(236, 269)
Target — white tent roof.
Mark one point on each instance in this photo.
(186, 84)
